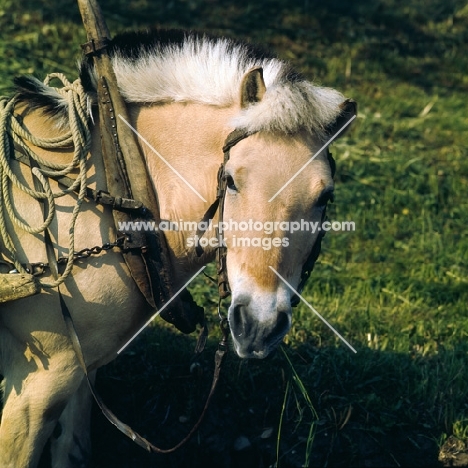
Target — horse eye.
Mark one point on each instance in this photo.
(230, 182)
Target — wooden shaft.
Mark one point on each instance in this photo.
(93, 19)
(135, 165)
(16, 286)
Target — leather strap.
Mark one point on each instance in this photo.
(111, 417)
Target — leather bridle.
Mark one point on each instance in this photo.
(218, 205)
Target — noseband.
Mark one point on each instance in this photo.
(218, 205)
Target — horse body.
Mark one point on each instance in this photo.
(43, 383)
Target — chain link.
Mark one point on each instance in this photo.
(87, 252)
(96, 250)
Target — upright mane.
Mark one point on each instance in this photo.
(161, 66)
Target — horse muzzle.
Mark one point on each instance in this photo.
(258, 325)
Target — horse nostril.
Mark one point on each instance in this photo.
(237, 314)
(282, 325)
(239, 322)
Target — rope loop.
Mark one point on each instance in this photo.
(76, 134)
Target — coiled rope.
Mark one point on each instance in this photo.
(77, 135)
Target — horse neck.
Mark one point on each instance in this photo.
(190, 138)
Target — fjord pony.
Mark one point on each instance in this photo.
(185, 94)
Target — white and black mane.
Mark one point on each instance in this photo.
(162, 66)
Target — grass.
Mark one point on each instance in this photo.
(396, 288)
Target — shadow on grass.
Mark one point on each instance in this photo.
(373, 408)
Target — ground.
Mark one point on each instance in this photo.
(161, 399)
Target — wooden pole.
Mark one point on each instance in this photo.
(16, 286)
(127, 176)
(97, 30)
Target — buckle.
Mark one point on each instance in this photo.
(94, 46)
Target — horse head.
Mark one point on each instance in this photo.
(277, 187)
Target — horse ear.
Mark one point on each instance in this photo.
(348, 111)
(252, 87)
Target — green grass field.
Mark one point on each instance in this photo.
(396, 288)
